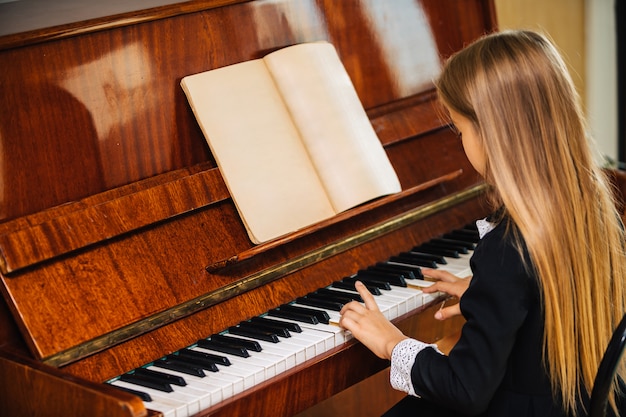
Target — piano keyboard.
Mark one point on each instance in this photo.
(242, 356)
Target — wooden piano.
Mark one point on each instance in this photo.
(119, 242)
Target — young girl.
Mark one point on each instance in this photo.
(549, 274)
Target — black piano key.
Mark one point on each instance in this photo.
(415, 270)
(426, 248)
(383, 285)
(205, 360)
(405, 258)
(392, 278)
(313, 301)
(448, 245)
(247, 344)
(222, 347)
(415, 252)
(146, 382)
(143, 395)
(470, 226)
(291, 326)
(218, 359)
(468, 235)
(454, 242)
(254, 333)
(345, 285)
(180, 366)
(321, 315)
(405, 272)
(280, 331)
(187, 353)
(292, 315)
(161, 376)
(340, 296)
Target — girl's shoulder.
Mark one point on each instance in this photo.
(502, 234)
(502, 251)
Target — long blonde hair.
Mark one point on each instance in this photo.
(515, 88)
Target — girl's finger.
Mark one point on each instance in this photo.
(447, 312)
(367, 296)
(439, 274)
(446, 287)
(352, 306)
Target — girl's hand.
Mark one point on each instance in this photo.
(369, 325)
(450, 284)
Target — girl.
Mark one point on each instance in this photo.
(549, 273)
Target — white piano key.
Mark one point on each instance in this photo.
(340, 336)
(252, 370)
(166, 410)
(210, 394)
(405, 300)
(182, 398)
(220, 387)
(323, 341)
(235, 382)
(386, 302)
(316, 339)
(166, 406)
(174, 403)
(291, 352)
(282, 351)
(459, 266)
(272, 364)
(456, 266)
(274, 358)
(230, 384)
(310, 346)
(391, 310)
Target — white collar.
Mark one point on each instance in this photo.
(484, 227)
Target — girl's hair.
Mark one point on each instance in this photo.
(516, 90)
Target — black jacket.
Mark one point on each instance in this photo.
(496, 367)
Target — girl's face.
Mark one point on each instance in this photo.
(471, 141)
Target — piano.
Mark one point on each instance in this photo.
(121, 250)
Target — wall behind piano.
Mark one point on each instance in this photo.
(584, 31)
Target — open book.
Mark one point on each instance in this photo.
(291, 138)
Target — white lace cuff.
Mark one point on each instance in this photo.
(402, 360)
(484, 227)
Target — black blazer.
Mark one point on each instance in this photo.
(496, 367)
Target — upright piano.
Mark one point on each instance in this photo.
(120, 246)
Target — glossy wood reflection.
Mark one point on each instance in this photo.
(110, 108)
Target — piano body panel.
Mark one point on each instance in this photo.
(186, 331)
(10, 337)
(147, 270)
(30, 388)
(112, 206)
(125, 115)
